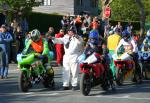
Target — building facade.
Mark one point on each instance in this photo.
(90, 6)
(72, 7)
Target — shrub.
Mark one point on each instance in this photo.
(43, 21)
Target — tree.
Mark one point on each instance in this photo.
(142, 16)
(146, 4)
(131, 10)
(124, 10)
(128, 10)
(18, 8)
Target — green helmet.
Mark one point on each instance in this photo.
(35, 35)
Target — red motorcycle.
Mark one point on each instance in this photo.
(125, 66)
(94, 72)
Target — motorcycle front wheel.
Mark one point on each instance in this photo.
(23, 82)
(85, 84)
(49, 79)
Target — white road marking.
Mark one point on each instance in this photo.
(13, 70)
(53, 94)
(30, 94)
(123, 97)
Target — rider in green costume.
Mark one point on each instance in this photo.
(39, 45)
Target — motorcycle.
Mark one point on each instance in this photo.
(94, 72)
(144, 58)
(125, 66)
(32, 71)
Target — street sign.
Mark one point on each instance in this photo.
(107, 12)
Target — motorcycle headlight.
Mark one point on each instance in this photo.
(81, 58)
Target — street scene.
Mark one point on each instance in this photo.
(129, 93)
(74, 51)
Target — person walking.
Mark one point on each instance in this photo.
(59, 48)
(72, 46)
(20, 39)
(1, 52)
(5, 39)
(50, 33)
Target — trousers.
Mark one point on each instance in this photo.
(71, 68)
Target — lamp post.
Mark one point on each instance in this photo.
(50, 2)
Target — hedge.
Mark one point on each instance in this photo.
(43, 21)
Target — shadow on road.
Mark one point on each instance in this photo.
(127, 89)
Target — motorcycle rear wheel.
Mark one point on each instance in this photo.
(137, 74)
(23, 82)
(145, 70)
(119, 77)
(85, 84)
(105, 84)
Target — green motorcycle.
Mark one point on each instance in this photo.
(33, 70)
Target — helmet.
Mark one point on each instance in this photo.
(93, 34)
(125, 33)
(148, 33)
(117, 30)
(35, 35)
(111, 32)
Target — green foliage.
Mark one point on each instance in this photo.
(124, 10)
(148, 18)
(147, 9)
(127, 10)
(19, 7)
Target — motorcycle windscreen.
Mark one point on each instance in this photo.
(81, 58)
(91, 59)
(124, 56)
(25, 59)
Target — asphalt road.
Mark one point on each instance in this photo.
(129, 93)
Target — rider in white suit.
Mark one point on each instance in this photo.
(73, 47)
(129, 45)
(130, 51)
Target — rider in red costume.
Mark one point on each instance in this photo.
(59, 48)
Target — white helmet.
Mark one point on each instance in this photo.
(148, 33)
(111, 32)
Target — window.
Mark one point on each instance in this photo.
(79, 2)
(94, 3)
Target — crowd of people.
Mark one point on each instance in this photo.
(78, 34)
(12, 37)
